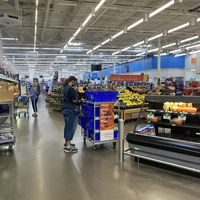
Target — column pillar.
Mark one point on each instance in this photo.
(1, 45)
(159, 49)
(114, 66)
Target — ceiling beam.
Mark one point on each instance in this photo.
(46, 19)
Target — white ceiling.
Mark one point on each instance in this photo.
(58, 20)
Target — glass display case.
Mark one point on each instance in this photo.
(170, 132)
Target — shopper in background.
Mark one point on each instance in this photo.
(47, 89)
(15, 89)
(70, 103)
(34, 99)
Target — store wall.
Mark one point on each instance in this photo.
(146, 65)
(192, 69)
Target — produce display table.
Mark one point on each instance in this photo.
(130, 112)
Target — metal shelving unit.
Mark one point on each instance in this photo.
(7, 78)
(95, 142)
(8, 127)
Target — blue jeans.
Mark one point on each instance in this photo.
(71, 122)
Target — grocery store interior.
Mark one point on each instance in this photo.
(136, 66)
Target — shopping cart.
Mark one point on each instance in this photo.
(21, 105)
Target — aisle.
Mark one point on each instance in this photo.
(39, 169)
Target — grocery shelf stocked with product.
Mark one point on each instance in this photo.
(53, 98)
(171, 132)
(129, 104)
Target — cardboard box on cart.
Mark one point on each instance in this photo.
(6, 96)
(4, 86)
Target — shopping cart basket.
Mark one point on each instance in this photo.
(21, 105)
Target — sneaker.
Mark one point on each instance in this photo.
(64, 146)
(71, 150)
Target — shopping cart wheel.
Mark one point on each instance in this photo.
(95, 147)
(114, 145)
(84, 139)
(19, 115)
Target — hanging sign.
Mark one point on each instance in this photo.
(193, 60)
(107, 121)
(168, 82)
(121, 78)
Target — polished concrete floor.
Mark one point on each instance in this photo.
(39, 169)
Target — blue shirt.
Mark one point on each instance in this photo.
(34, 92)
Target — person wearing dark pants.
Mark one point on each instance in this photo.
(70, 103)
(34, 99)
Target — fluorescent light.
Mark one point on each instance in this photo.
(162, 54)
(106, 41)
(198, 20)
(99, 5)
(174, 51)
(115, 53)
(179, 27)
(157, 36)
(137, 44)
(178, 55)
(125, 49)
(161, 8)
(36, 2)
(186, 45)
(89, 52)
(70, 40)
(96, 47)
(36, 16)
(118, 34)
(75, 34)
(140, 54)
(86, 21)
(189, 39)
(135, 24)
(194, 46)
(9, 38)
(169, 45)
(153, 50)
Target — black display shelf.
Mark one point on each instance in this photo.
(166, 124)
(157, 111)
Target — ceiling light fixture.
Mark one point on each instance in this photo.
(178, 55)
(169, 45)
(157, 36)
(106, 41)
(125, 49)
(179, 27)
(35, 33)
(137, 44)
(96, 47)
(140, 54)
(135, 24)
(198, 20)
(118, 34)
(189, 39)
(9, 38)
(161, 8)
(194, 46)
(175, 51)
(194, 52)
(84, 23)
(89, 52)
(153, 50)
(115, 53)
(162, 54)
(99, 5)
